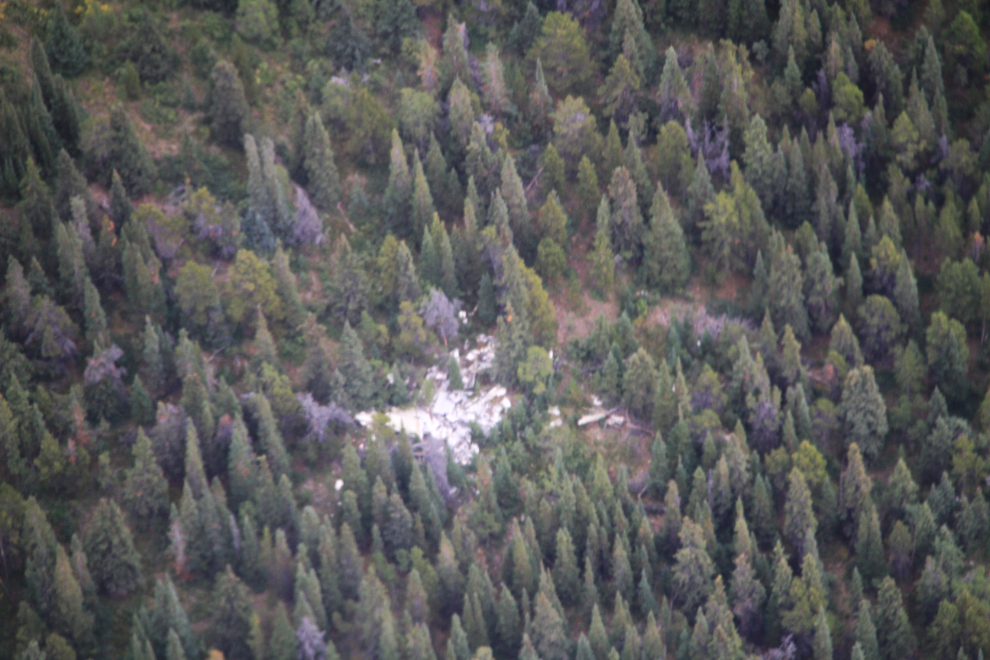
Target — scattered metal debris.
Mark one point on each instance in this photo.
(451, 413)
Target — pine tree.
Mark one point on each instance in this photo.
(626, 220)
(866, 634)
(548, 633)
(855, 486)
(355, 369)
(784, 290)
(115, 563)
(229, 112)
(869, 546)
(95, 318)
(70, 619)
(799, 517)
(666, 262)
(323, 181)
(694, 568)
(429, 264)
(699, 194)
(894, 635)
(65, 51)
(864, 412)
(145, 487)
(231, 626)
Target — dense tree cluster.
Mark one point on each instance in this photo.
(291, 211)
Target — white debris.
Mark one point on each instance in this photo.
(450, 414)
(592, 418)
(338, 485)
(612, 417)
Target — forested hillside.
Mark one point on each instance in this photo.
(731, 253)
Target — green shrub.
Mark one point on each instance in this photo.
(130, 81)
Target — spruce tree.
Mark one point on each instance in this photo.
(113, 560)
(864, 412)
(231, 627)
(895, 637)
(355, 369)
(128, 156)
(869, 546)
(70, 618)
(799, 516)
(145, 487)
(229, 112)
(323, 181)
(666, 262)
(866, 634)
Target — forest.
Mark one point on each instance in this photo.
(704, 283)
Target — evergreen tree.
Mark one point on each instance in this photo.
(323, 181)
(145, 487)
(694, 568)
(395, 21)
(866, 634)
(71, 620)
(348, 45)
(823, 638)
(864, 412)
(114, 561)
(799, 517)
(548, 633)
(229, 112)
(626, 221)
(784, 290)
(65, 51)
(894, 635)
(355, 369)
(869, 546)
(127, 155)
(666, 262)
(231, 626)
(854, 284)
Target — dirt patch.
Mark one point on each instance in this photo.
(571, 325)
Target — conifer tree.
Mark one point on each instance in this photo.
(693, 570)
(229, 112)
(895, 637)
(869, 546)
(323, 181)
(65, 51)
(145, 487)
(799, 516)
(115, 563)
(71, 620)
(666, 262)
(854, 284)
(355, 369)
(429, 264)
(549, 637)
(821, 290)
(854, 490)
(603, 264)
(699, 194)
(784, 290)
(866, 634)
(128, 156)
(231, 626)
(864, 412)
(626, 220)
